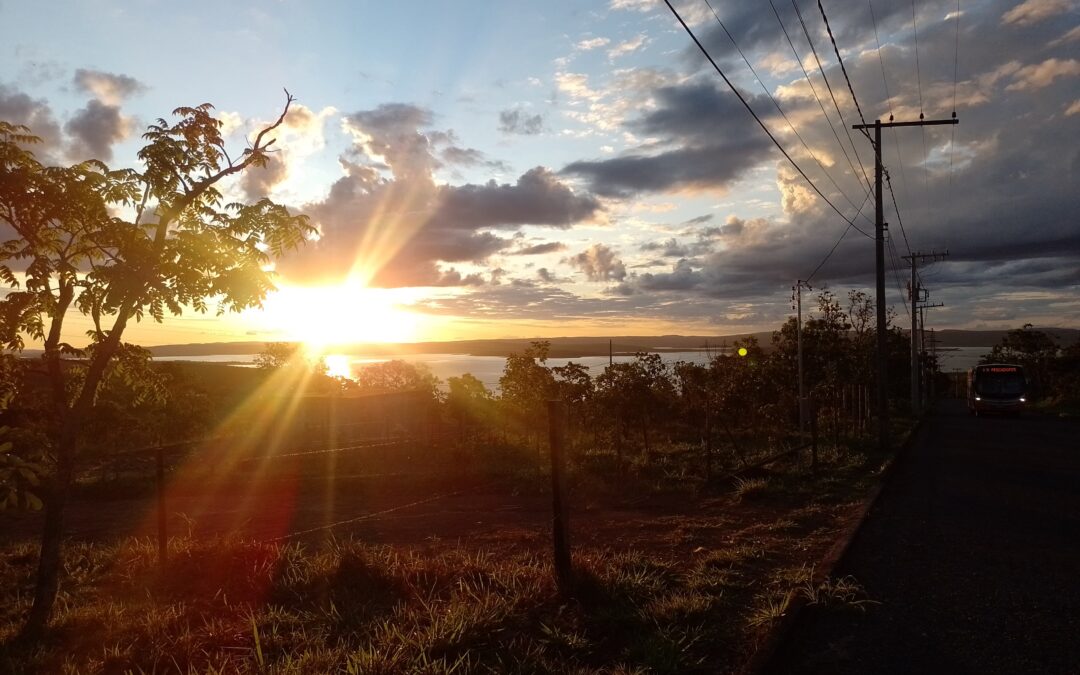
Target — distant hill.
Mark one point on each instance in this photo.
(569, 347)
(988, 338)
(561, 347)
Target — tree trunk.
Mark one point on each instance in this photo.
(50, 559)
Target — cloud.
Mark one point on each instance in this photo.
(1041, 75)
(540, 249)
(258, 182)
(300, 137)
(94, 129)
(1034, 11)
(669, 248)
(592, 43)
(681, 278)
(707, 142)
(108, 88)
(388, 220)
(599, 263)
(17, 107)
(515, 121)
(627, 46)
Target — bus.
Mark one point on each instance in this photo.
(997, 388)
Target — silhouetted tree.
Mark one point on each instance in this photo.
(117, 246)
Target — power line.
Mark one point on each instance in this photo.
(918, 81)
(828, 86)
(836, 49)
(888, 97)
(837, 244)
(757, 119)
(813, 90)
(895, 260)
(784, 115)
(955, 77)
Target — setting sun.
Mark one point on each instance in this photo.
(320, 316)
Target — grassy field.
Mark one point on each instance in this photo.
(667, 580)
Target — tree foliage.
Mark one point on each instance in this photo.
(118, 245)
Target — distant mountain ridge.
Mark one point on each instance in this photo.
(568, 347)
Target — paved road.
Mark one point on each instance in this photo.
(973, 552)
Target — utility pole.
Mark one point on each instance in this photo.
(879, 256)
(799, 284)
(913, 294)
(922, 330)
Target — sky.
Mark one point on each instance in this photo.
(521, 169)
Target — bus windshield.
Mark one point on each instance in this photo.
(988, 382)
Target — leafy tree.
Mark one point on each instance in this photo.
(397, 376)
(117, 246)
(1033, 349)
(640, 391)
(470, 403)
(527, 384)
(276, 355)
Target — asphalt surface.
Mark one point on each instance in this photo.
(973, 552)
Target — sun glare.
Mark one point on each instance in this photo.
(322, 316)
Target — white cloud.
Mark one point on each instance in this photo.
(1033, 11)
(592, 43)
(627, 46)
(1041, 75)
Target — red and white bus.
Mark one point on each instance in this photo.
(997, 388)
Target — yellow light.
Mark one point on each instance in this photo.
(321, 316)
(338, 365)
(742, 351)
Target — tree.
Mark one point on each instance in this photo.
(1033, 349)
(527, 383)
(121, 245)
(276, 355)
(398, 376)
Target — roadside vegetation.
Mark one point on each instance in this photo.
(1053, 369)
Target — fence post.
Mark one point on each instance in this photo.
(559, 521)
(163, 531)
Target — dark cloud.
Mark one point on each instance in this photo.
(708, 141)
(515, 121)
(538, 198)
(94, 129)
(389, 218)
(257, 182)
(540, 249)
(669, 248)
(470, 157)
(682, 277)
(19, 108)
(598, 263)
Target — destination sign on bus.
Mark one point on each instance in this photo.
(999, 369)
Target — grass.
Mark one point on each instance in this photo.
(696, 604)
(235, 606)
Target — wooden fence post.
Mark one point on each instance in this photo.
(162, 520)
(559, 521)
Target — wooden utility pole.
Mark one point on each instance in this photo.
(879, 255)
(559, 524)
(914, 259)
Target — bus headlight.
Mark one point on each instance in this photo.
(1023, 400)
(978, 398)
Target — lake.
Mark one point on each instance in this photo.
(488, 369)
